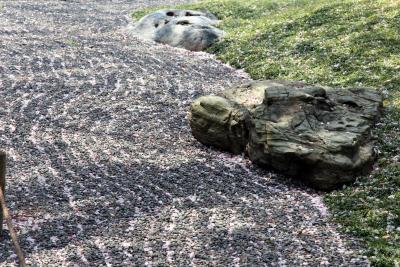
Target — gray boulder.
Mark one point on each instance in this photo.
(189, 29)
(318, 134)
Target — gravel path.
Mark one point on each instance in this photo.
(103, 170)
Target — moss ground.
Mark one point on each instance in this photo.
(340, 43)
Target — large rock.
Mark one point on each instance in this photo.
(189, 29)
(318, 134)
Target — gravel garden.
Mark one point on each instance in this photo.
(103, 168)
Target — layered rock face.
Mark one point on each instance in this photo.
(318, 134)
(189, 29)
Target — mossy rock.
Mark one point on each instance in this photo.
(318, 134)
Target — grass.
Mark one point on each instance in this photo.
(340, 43)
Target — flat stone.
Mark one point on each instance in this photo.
(318, 134)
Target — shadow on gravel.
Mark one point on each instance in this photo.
(125, 200)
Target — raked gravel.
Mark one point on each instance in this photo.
(103, 169)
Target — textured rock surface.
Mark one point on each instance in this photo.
(220, 122)
(103, 169)
(189, 29)
(318, 134)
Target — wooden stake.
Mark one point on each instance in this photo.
(6, 215)
(3, 161)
